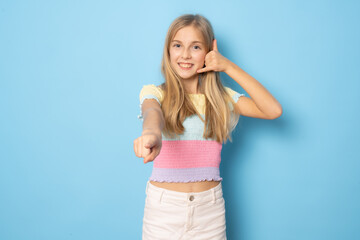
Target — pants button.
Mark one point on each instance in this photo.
(191, 198)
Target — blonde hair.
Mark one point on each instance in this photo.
(219, 121)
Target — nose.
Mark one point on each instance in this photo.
(186, 54)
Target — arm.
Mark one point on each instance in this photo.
(148, 145)
(153, 117)
(261, 104)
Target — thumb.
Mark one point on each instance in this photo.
(148, 144)
(152, 155)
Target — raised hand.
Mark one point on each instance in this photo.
(148, 146)
(214, 61)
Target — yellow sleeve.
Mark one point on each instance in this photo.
(151, 92)
(233, 94)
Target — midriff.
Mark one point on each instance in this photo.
(187, 187)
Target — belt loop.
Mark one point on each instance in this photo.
(161, 195)
(214, 195)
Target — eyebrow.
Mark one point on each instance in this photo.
(192, 41)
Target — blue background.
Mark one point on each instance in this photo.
(70, 76)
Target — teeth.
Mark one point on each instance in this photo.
(185, 65)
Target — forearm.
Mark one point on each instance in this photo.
(153, 121)
(260, 95)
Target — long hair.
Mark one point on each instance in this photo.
(219, 121)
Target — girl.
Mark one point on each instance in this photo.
(188, 118)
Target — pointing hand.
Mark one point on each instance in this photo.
(148, 146)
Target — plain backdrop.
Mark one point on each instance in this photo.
(70, 77)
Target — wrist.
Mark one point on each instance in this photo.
(151, 131)
(229, 66)
(232, 68)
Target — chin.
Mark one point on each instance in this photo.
(188, 77)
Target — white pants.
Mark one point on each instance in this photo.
(172, 215)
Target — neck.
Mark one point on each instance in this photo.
(191, 85)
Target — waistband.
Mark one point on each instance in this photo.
(193, 198)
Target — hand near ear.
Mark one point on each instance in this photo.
(214, 61)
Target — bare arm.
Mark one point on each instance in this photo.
(261, 104)
(148, 145)
(153, 117)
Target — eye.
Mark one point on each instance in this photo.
(197, 47)
(175, 45)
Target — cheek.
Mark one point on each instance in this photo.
(172, 59)
(173, 56)
(200, 58)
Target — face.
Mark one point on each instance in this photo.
(187, 52)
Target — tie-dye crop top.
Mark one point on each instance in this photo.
(190, 157)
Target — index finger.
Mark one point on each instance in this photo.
(205, 69)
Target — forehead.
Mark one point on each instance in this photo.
(188, 34)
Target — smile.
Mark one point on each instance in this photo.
(185, 65)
